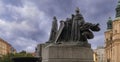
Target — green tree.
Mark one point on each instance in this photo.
(23, 54)
(8, 57)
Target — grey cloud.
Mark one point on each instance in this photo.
(13, 2)
(31, 19)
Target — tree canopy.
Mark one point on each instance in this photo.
(8, 57)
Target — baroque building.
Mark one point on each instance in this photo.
(5, 48)
(112, 38)
(99, 54)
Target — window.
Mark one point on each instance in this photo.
(115, 31)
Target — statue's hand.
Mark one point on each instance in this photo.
(97, 24)
(95, 27)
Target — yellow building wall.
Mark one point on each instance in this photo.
(112, 41)
(5, 48)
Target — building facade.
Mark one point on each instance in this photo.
(112, 38)
(95, 57)
(99, 54)
(5, 48)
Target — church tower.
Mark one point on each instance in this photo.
(112, 37)
(118, 10)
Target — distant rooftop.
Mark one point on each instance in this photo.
(100, 47)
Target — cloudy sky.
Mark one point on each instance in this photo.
(26, 23)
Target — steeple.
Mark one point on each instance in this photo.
(109, 23)
(118, 9)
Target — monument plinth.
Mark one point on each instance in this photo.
(66, 53)
(69, 43)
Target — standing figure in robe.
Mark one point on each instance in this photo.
(54, 30)
(78, 21)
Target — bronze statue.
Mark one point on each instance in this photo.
(54, 30)
(78, 20)
(86, 31)
(73, 29)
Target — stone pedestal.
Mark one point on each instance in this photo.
(66, 53)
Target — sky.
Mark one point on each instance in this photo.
(26, 23)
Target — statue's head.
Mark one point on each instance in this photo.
(54, 18)
(67, 19)
(77, 10)
(61, 21)
(78, 15)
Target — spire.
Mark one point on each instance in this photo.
(118, 9)
(109, 23)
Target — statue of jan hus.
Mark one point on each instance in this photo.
(73, 29)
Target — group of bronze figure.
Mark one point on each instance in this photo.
(73, 29)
